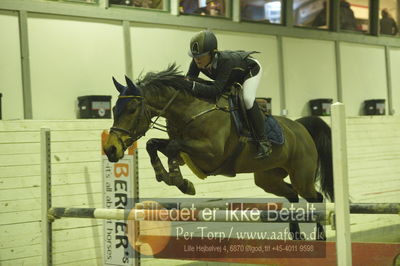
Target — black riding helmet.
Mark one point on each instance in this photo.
(202, 43)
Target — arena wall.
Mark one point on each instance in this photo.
(71, 57)
(374, 159)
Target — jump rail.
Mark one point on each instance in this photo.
(174, 213)
(258, 216)
(355, 208)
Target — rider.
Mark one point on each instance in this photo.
(218, 66)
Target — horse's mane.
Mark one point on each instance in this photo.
(171, 77)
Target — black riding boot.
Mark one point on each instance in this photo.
(264, 147)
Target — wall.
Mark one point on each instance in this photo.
(373, 145)
(310, 73)
(155, 47)
(373, 159)
(363, 75)
(71, 58)
(166, 45)
(268, 57)
(74, 57)
(10, 67)
(394, 71)
(76, 181)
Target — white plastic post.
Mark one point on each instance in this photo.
(45, 195)
(341, 185)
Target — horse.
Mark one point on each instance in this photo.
(203, 135)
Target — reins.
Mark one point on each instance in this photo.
(214, 108)
(154, 124)
(162, 127)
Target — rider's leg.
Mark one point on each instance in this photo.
(258, 123)
(256, 117)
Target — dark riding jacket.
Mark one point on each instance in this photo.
(226, 68)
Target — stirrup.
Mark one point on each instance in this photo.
(264, 149)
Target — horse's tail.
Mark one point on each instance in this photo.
(321, 134)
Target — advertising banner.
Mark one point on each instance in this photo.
(118, 192)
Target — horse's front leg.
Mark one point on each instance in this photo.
(170, 149)
(175, 178)
(152, 146)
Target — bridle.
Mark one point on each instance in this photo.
(146, 113)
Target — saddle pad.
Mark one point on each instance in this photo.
(273, 130)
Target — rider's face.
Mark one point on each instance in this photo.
(203, 61)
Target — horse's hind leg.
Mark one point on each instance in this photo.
(303, 180)
(271, 181)
(320, 232)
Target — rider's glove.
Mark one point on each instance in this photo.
(193, 90)
(191, 86)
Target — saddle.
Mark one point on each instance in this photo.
(237, 108)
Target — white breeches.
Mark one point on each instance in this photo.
(250, 88)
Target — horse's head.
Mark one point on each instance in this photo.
(131, 120)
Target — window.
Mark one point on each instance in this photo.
(354, 15)
(154, 4)
(215, 8)
(269, 11)
(389, 15)
(311, 13)
(80, 1)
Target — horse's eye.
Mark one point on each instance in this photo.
(131, 108)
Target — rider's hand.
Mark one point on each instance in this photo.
(190, 85)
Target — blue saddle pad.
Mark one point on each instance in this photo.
(273, 130)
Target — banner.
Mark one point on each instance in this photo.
(118, 191)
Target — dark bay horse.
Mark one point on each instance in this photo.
(202, 134)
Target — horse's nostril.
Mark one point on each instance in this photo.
(112, 150)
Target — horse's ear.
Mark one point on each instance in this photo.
(119, 86)
(132, 86)
(130, 83)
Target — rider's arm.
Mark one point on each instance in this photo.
(217, 88)
(193, 71)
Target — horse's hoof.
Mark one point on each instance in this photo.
(159, 178)
(187, 188)
(190, 189)
(321, 236)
